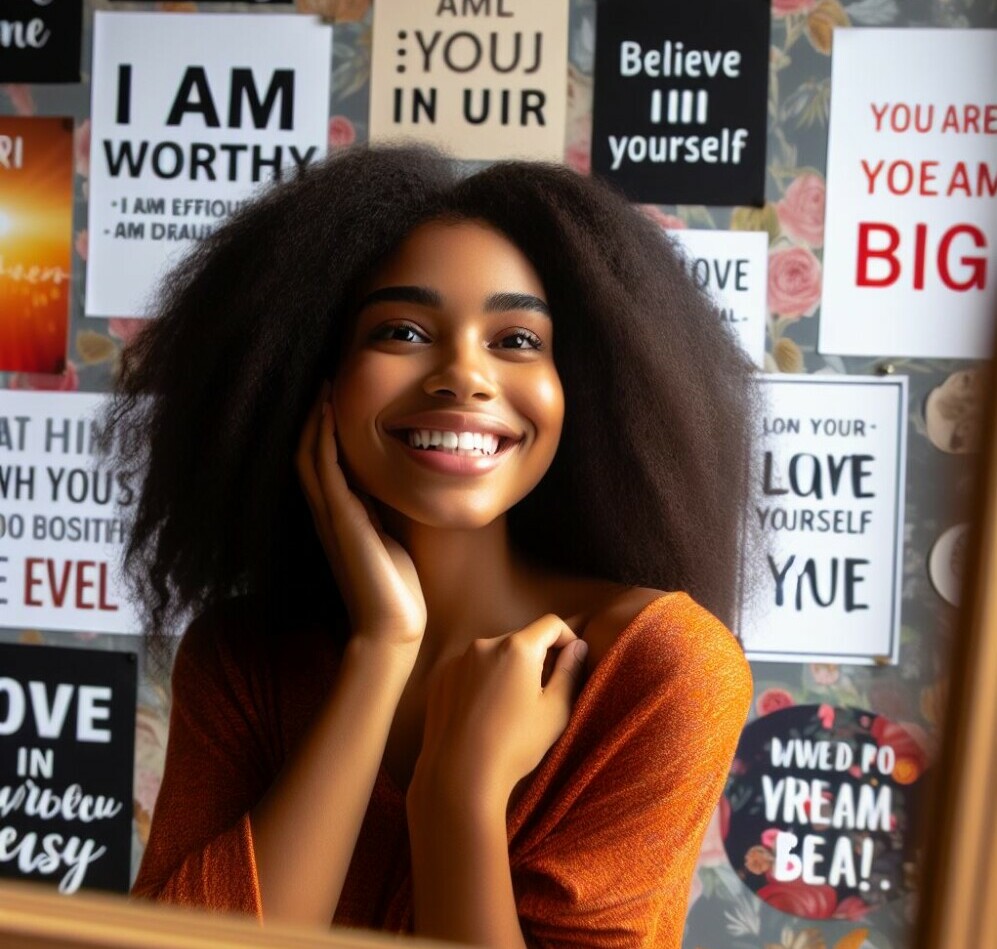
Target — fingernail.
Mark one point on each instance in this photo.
(581, 649)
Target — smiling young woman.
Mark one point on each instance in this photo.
(447, 468)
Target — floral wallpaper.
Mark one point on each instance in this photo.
(945, 418)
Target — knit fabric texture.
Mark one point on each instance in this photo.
(603, 838)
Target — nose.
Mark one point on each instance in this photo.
(463, 373)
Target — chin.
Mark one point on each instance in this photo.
(451, 519)
(439, 513)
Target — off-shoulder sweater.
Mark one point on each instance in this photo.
(603, 841)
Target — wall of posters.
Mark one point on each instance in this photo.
(823, 809)
(67, 740)
(943, 418)
(61, 523)
(680, 100)
(830, 507)
(732, 267)
(40, 40)
(191, 114)
(911, 249)
(483, 79)
(36, 241)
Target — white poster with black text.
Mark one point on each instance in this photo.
(829, 504)
(191, 115)
(732, 268)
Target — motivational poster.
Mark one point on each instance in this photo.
(192, 114)
(67, 747)
(36, 242)
(40, 40)
(824, 806)
(681, 98)
(481, 79)
(62, 509)
(909, 250)
(732, 267)
(829, 503)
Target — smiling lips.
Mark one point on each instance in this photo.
(455, 443)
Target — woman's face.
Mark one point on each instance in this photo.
(447, 405)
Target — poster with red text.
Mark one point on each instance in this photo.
(36, 235)
(62, 529)
(909, 249)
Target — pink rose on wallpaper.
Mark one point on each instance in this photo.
(801, 210)
(801, 899)
(578, 156)
(578, 153)
(124, 328)
(794, 282)
(81, 148)
(21, 98)
(772, 700)
(851, 907)
(768, 837)
(67, 381)
(341, 132)
(826, 715)
(781, 8)
(661, 219)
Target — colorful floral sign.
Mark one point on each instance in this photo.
(823, 804)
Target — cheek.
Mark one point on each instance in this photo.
(550, 401)
(356, 401)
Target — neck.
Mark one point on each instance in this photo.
(474, 583)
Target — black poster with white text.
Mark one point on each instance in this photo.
(679, 115)
(40, 40)
(67, 751)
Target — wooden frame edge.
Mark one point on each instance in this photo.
(958, 880)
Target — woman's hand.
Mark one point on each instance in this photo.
(375, 575)
(490, 719)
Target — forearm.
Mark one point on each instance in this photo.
(306, 827)
(462, 884)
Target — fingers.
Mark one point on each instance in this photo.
(547, 632)
(569, 671)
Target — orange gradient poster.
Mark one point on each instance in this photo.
(36, 233)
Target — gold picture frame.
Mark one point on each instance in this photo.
(958, 878)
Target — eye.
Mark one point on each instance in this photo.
(399, 332)
(520, 339)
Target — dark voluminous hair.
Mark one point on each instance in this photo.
(650, 483)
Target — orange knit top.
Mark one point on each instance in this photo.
(602, 843)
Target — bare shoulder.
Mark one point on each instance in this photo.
(613, 617)
(682, 639)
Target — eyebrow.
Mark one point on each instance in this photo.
(424, 296)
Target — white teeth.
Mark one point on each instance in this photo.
(480, 442)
